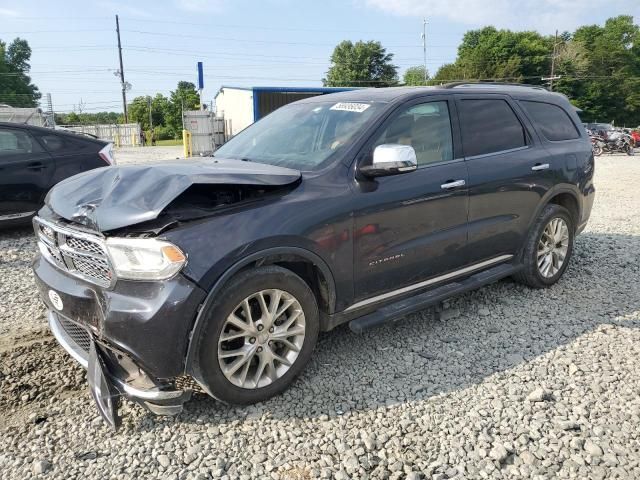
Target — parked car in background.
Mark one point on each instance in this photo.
(358, 207)
(600, 129)
(33, 159)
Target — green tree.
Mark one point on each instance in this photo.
(600, 71)
(16, 88)
(139, 110)
(88, 118)
(415, 76)
(184, 96)
(361, 64)
(500, 55)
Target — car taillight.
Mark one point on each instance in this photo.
(107, 155)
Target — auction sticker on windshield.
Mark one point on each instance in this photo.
(351, 107)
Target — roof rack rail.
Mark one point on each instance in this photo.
(492, 84)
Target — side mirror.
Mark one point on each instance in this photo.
(391, 159)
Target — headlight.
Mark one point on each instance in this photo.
(144, 258)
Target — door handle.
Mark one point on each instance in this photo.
(35, 166)
(453, 184)
(540, 166)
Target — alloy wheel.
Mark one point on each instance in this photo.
(552, 247)
(261, 338)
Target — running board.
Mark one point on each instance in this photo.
(404, 307)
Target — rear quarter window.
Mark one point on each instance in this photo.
(65, 144)
(552, 121)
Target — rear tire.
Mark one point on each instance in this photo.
(548, 249)
(246, 358)
(629, 150)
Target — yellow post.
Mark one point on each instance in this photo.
(186, 143)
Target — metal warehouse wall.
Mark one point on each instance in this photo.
(236, 106)
(270, 101)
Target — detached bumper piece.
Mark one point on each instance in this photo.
(109, 380)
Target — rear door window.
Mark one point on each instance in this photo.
(489, 126)
(16, 142)
(552, 121)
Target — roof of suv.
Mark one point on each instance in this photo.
(391, 94)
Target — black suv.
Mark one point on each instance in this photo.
(356, 207)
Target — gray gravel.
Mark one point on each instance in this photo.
(506, 383)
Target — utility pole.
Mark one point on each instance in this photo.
(122, 83)
(553, 61)
(424, 46)
(150, 119)
(553, 76)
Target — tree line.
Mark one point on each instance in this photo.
(598, 66)
(160, 113)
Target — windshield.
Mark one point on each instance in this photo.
(303, 136)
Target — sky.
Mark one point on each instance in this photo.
(251, 42)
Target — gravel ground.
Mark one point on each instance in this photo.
(147, 154)
(507, 383)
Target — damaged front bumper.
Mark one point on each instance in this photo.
(107, 387)
(139, 331)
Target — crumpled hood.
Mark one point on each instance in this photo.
(114, 197)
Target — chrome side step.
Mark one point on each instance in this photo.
(401, 308)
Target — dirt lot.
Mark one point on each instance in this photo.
(515, 383)
(126, 155)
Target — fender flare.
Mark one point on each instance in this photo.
(190, 366)
(544, 201)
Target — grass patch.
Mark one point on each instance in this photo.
(168, 143)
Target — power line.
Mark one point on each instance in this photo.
(244, 40)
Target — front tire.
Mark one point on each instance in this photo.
(597, 150)
(548, 249)
(259, 335)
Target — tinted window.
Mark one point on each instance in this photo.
(13, 142)
(489, 126)
(65, 144)
(552, 121)
(52, 142)
(426, 127)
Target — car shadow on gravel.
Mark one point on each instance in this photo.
(479, 334)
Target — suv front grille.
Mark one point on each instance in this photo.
(78, 334)
(79, 253)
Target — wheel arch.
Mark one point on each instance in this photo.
(562, 195)
(306, 264)
(570, 202)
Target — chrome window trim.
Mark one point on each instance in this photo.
(431, 281)
(15, 216)
(500, 152)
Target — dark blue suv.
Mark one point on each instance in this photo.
(357, 207)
